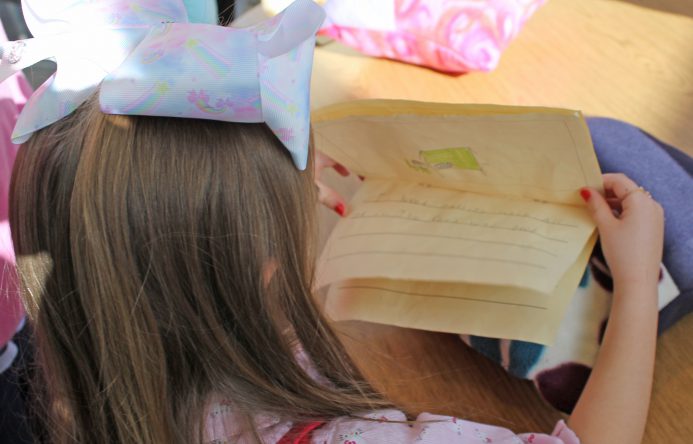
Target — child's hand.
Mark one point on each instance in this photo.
(631, 228)
(327, 196)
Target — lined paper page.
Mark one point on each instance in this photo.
(496, 312)
(407, 231)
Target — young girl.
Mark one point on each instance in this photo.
(167, 264)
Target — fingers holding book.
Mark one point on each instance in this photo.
(631, 227)
(327, 195)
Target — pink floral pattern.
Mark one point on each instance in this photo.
(453, 36)
(386, 426)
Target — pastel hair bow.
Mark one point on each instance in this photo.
(148, 59)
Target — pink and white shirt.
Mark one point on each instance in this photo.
(428, 429)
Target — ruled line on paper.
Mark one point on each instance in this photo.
(389, 290)
(415, 202)
(439, 236)
(461, 256)
(440, 220)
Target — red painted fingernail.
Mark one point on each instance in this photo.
(362, 178)
(585, 193)
(340, 209)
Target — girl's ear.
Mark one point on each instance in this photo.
(268, 271)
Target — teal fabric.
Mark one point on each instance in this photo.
(202, 11)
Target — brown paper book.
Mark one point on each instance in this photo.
(469, 220)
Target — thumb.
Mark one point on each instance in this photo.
(598, 207)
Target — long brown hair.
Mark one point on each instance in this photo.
(141, 244)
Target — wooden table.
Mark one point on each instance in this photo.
(604, 57)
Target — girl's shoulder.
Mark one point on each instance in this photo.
(383, 426)
(388, 426)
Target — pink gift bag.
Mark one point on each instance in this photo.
(453, 36)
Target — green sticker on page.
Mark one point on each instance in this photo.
(443, 159)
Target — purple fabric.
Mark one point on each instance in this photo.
(667, 173)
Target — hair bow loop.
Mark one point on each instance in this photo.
(150, 60)
(285, 52)
(83, 59)
(87, 39)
